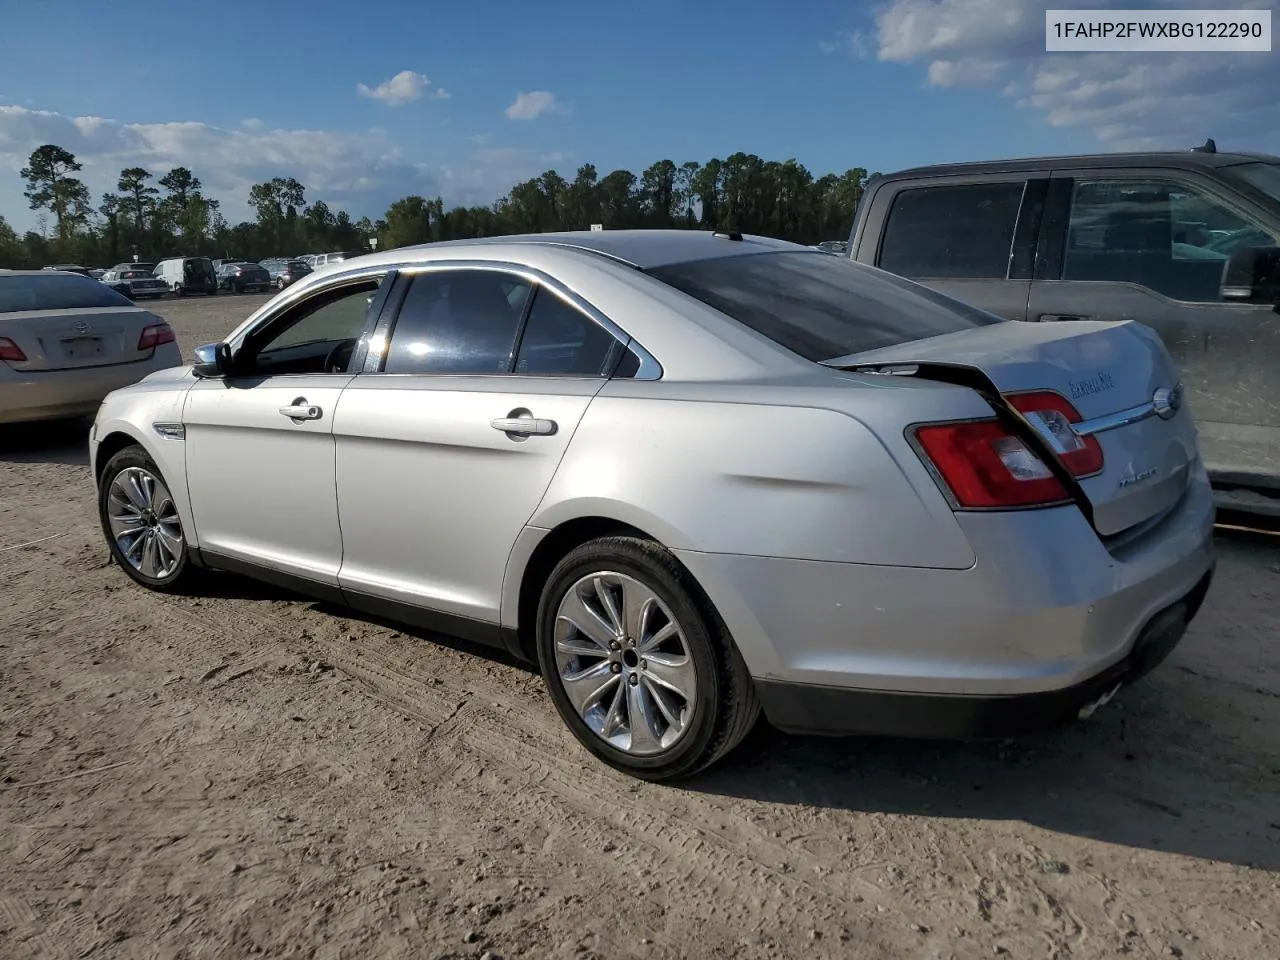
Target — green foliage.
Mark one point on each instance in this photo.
(172, 217)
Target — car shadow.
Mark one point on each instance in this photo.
(232, 586)
(1185, 761)
(1170, 765)
(52, 441)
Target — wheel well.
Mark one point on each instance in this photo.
(550, 551)
(109, 446)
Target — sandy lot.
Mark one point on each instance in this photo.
(245, 773)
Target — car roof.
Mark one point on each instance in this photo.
(638, 248)
(1181, 160)
(37, 273)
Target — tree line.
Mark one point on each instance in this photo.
(154, 218)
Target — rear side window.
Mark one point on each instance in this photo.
(458, 322)
(55, 292)
(962, 232)
(559, 340)
(819, 306)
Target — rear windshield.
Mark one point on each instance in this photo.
(821, 306)
(56, 293)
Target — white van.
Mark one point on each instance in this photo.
(186, 275)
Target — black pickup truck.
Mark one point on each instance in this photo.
(1185, 242)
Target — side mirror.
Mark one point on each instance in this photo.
(213, 360)
(1252, 276)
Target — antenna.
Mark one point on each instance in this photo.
(1208, 147)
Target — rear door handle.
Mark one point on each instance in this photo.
(301, 410)
(1056, 317)
(524, 426)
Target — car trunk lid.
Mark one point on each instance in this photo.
(1118, 376)
(70, 339)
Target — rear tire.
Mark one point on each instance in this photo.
(653, 685)
(141, 522)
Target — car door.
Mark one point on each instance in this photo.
(1151, 245)
(446, 447)
(259, 441)
(971, 238)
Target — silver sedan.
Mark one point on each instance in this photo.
(694, 477)
(66, 341)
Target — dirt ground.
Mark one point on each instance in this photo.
(243, 773)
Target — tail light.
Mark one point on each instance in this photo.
(1052, 415)
(11, 351)
(155, 334)
(987, 467)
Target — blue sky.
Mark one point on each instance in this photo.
(244, 91)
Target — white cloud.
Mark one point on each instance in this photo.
(534, 104)
(1127, 101)
(405, 87)
(360, 171)
(852, 42)
(252, 123)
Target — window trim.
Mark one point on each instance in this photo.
(380, 337)
(934, 183)
(1051, 250)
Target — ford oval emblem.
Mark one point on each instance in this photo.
(1167, 402)
(81, 327)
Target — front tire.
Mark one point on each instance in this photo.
(141, 522)
(638, 663)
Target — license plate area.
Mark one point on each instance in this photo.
(82, 348)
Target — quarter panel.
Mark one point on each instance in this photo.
(752, 478)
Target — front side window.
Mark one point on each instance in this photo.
(962, 232)
(819, 306)
(22, 293)
(559, 340)
(460, 322)
(1170, 237)
(318, 335)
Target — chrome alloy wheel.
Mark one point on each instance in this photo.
(624, 663)
(144, 523)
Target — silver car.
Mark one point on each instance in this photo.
(694, 477)
(66, 341)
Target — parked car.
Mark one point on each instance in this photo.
(837, 247)
(1185, 242)
(694, 477)
(325, 259)
(66, 341)
(285, 272)
(186, 275)
(243, 277)
(97, 273)
(135, 281)
(68, 268)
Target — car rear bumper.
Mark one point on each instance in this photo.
(63, 394)
(1044, 616)
(824, 710)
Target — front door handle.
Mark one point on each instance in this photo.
(301, 410)
(524, 426)
(1058, 317)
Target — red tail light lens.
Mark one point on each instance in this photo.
(11, 351)
(988, 468)
(155, 334)
(1052, 415)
